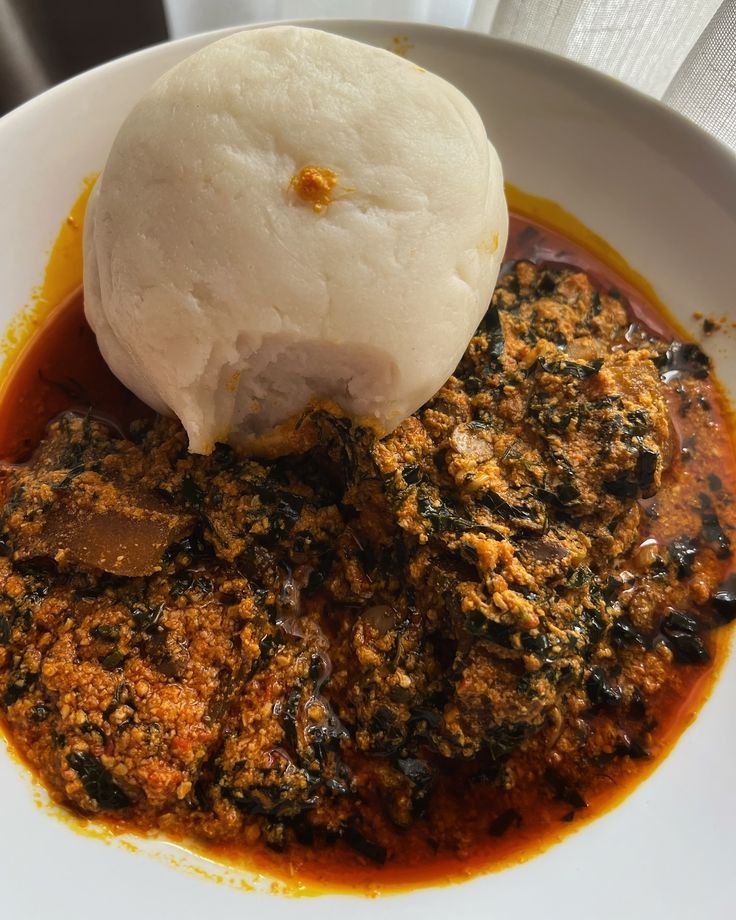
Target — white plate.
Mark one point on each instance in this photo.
(661, 192)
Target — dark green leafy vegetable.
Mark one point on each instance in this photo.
(39, 713)
(683, 637)
(70, 477)
(123, 696)
(631, 747)
(289, 717)
(441, 516)
(713, 533)
(639, 422)
(683, 552)
(494, 331)
(593, 624)
(622, 487)
(108, 632)
(191, 493)
(372, 851)
(493, 501)
(389, 733)
(562, 790)
(412, 474)
(505, 738)
(637, 708)
(572, 369)
(19, 683)
(147, 618)
(193, 547)
(268, 646)
(646, 468)
(181, 585)
(113, 660)
(480, 625)
(272, 801)
(538, 644)
(87, 728)
(686, 358)
(567, 493)
(504, 822)
(322, 735)
(601, 693)
(169, 655)
(715, 484)
(416, 770)
(579, 577)
(625, 633)
(724, 600)
(97, 781)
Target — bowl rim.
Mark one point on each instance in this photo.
(716, 164)
(722, 154)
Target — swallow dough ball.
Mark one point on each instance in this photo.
(288, 215)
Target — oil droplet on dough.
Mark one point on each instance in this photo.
(314, 185)
(490, 245)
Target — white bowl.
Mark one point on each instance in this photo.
(660, 191)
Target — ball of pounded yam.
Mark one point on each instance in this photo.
(285, 216)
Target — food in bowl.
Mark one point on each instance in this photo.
(398, 658)
(288, 215)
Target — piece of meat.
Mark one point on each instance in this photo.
(79, 503)
(104, 528)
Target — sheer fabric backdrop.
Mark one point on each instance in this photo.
(680, 51)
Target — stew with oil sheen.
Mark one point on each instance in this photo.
(393, 662)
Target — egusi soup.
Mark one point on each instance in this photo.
(367, 662)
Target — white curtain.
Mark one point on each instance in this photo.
(680, 51)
